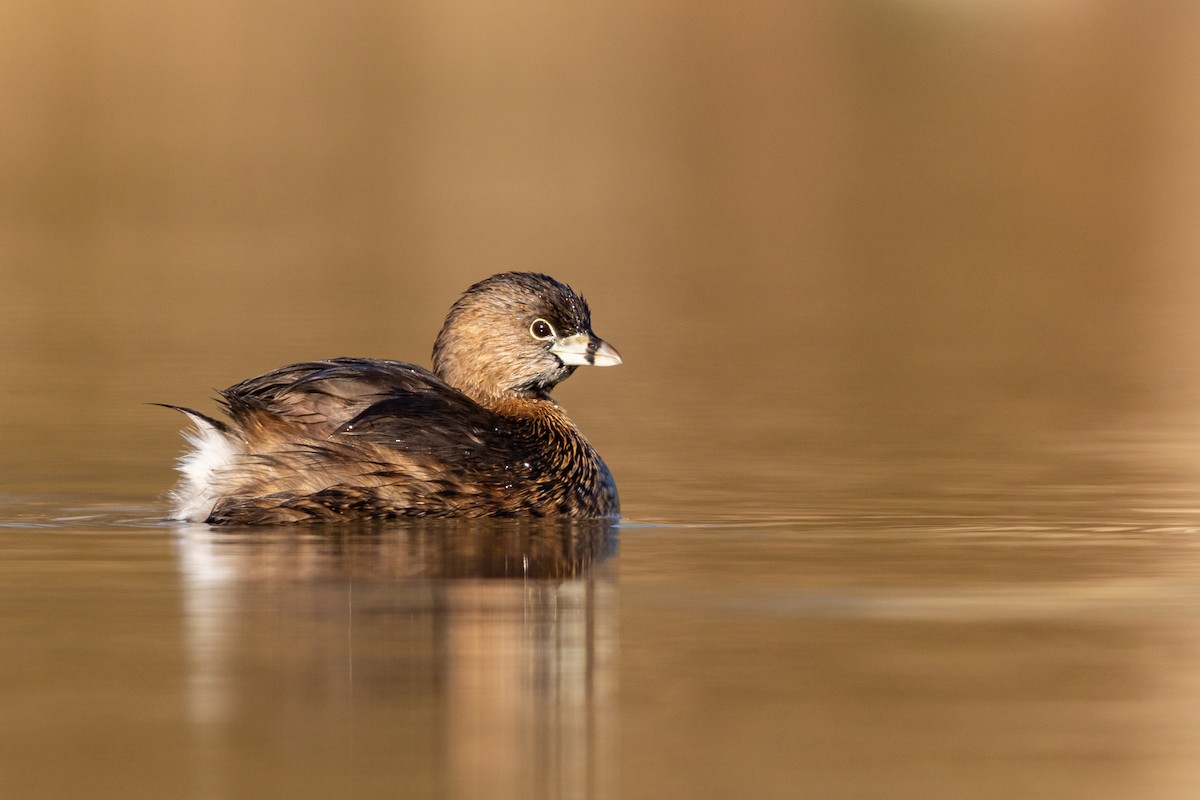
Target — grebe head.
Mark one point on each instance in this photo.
(517, 334)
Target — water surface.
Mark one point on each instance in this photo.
(905, 433)
(1041, 645)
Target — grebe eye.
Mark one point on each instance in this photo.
(540, 329)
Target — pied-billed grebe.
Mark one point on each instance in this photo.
(356, 438)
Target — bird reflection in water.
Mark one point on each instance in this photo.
(463, 657)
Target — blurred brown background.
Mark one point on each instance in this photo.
(811, 228)
(907, 294)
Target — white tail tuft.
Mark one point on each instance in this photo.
(212, 451)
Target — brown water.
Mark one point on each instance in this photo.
(906, 433)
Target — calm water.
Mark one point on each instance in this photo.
(1040, 642)
(906, 432)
